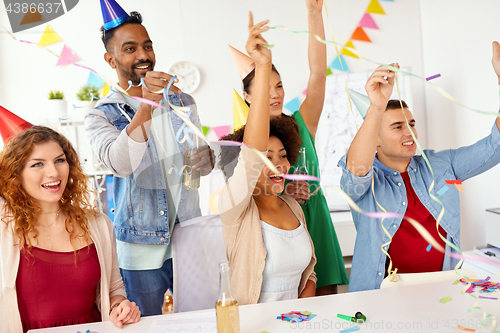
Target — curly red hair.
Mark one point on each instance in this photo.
(20, 208)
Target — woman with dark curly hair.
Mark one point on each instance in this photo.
(330, 268)
(270, 252)
(58, 261)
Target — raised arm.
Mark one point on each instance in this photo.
(311, 108)
(364, 145)
(495, 61)
(257, 126)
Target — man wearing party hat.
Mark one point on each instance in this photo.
(381, 173)
(148, 199)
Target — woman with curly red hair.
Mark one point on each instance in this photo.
(58, 261)
(270, 252)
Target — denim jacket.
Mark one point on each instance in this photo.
(141, 213)
(368, 266)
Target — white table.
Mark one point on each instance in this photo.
(403, 309)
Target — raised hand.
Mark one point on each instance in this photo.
(255, 43)
(314, 5)
(154, 83)
(495, 61)
(379, 86)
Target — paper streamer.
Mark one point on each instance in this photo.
(432, 77)
(440, 90)
(443, 190)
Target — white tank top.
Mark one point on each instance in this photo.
(288, 254)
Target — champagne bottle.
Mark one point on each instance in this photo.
(191, 176)
(226, 307)
(301, 169)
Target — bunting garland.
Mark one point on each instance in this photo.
(49, 37)
(359, 34)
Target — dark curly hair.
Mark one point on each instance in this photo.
(284, 128)
(106, 35)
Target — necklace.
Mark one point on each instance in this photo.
(50, 225)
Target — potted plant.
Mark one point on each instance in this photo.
(58, 107)
(84, 94)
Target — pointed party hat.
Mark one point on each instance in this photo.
(244, 64)
(11, 125)
(361, 101)
(240, 111)
(112, 14)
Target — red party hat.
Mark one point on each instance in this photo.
(11, 125)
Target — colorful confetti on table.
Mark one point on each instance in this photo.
(297, 316)
(484, 286)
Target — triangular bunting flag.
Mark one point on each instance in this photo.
(368, 22)
(359, 34)
(49, 37)
(67, 57)
(30, 17)
(293, 105)
(94, 80)
(387, 0)
(105, 89)
(304, 92)
(205, 130)
(347, 52)
(341, 67)
(220, 131)
(328, 72)
(375, 8)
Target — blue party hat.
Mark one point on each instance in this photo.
(112, 14)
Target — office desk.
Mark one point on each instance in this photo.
(403, 309)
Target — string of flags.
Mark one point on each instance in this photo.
(67, 56)
(359, 34)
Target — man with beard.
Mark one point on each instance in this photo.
(148, 200)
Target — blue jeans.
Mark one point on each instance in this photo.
(147, 288)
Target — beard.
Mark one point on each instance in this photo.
(130, 73)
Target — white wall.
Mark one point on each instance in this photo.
(457, 36)
(199, 31)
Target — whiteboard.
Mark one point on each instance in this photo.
(337, 127)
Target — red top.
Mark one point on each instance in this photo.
(57, 288)
(408, 248)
